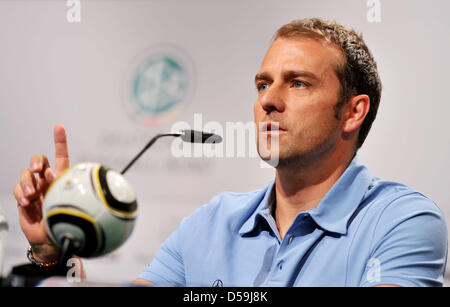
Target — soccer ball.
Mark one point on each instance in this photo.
(93, 206)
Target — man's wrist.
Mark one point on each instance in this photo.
(43, 253)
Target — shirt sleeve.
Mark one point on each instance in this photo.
(409, 245)
(167, 267)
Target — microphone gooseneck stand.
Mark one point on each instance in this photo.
(190, 136)
(152, 141)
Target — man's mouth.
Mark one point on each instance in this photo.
(271, 127)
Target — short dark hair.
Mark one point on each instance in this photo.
(358, 75)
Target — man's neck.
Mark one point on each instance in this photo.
(301, 188)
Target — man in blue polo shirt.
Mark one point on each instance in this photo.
(324, 220)
(364, 232)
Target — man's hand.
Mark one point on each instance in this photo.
(30, 192)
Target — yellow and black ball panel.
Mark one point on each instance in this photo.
(65, 220)
(115, 193)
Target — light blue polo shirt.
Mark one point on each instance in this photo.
(364, 232)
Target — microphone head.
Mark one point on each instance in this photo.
(194, 136)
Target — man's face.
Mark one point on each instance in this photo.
(298, 88)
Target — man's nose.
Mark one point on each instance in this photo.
(272, 99)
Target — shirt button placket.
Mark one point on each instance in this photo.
(290, 240)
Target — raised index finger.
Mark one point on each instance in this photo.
(61, 149)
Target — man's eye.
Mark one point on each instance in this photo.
(299, 84)
(262, 86)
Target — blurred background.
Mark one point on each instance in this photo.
(117, 72)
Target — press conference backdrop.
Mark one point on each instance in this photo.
(115, 73)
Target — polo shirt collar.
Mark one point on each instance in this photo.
(333, 212)
(262, 210)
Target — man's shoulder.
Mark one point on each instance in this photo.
(229, 207)
(390, 204)
(390, 194)
(235, 201)
(405, 231)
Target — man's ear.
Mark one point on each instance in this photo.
(355, 113)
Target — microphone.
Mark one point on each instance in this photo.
(191, 136)
(194, 136)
